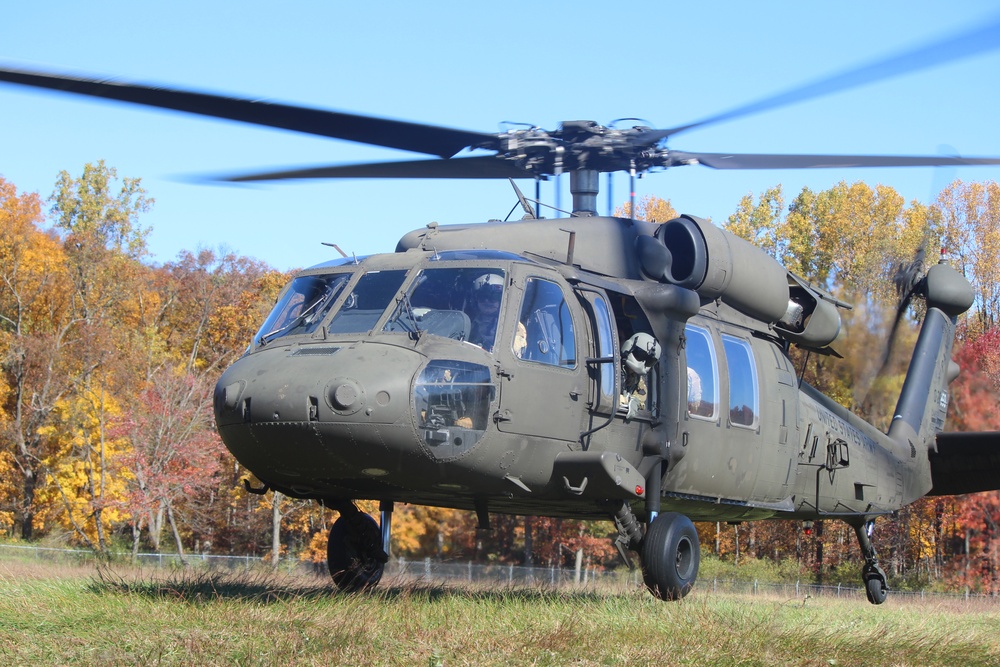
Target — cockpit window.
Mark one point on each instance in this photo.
(302, 307)
(462, 304)
(367, 301)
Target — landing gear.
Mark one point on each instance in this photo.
(871, 574)
(670, 556)
(354, 550)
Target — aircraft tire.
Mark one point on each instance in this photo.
(353, 552)
(875, 586)
(671, 554)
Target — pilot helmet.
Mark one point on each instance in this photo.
(640, 353)
(488, 285)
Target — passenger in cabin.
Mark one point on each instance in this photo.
(694, 391)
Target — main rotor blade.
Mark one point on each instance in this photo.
(970, 42)
(774, 161)
(486, 166)
(416, 137)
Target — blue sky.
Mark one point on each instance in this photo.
(470, 66)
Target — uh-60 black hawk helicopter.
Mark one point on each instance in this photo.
(590, 367)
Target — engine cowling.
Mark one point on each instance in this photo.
(811, 321)
(695, 254)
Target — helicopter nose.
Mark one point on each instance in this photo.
(365, 383)
(315, 411)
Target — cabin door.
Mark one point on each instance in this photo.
(543, 385)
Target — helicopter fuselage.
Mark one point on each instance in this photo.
(381, 378)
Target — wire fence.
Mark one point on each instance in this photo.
(428, 571)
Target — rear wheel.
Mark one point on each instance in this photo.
(875, 585)
(671, 554)
(354, 552)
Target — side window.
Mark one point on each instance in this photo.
(545, 327)
(742, 381)
(702, 373)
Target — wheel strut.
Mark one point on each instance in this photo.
(872, 575)
(385, 508)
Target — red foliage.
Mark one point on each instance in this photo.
(175, 453)
(976, 392)
(977, 562)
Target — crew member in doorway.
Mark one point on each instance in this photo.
(639, 354)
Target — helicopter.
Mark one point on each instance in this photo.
(592, 367)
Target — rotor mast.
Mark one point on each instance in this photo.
(584, 186)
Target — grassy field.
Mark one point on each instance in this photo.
(62, 615)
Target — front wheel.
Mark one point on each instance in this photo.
(354, 552)
(671, 554)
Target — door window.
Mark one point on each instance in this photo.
(545, 326)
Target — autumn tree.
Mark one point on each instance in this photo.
(762, 223)
(102, 245)
(37, 338)
(649, 208)
(175, 455)
(970, 215)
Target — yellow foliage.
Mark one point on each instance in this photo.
(232, 325)
(8, 489)
(419, 530)
(648, 208)
(315, 551)
(970, 215)
(80, 456)
(34, 294)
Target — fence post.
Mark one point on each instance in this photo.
(755, 587)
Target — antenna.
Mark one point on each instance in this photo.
(529, 212)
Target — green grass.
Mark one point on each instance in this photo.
(76, 615)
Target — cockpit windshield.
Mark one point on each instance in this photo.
(302, 307)
(462, 304)
(459, 303)
(367, 301)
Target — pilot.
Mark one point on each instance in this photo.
(639, 354)
(487, 290)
